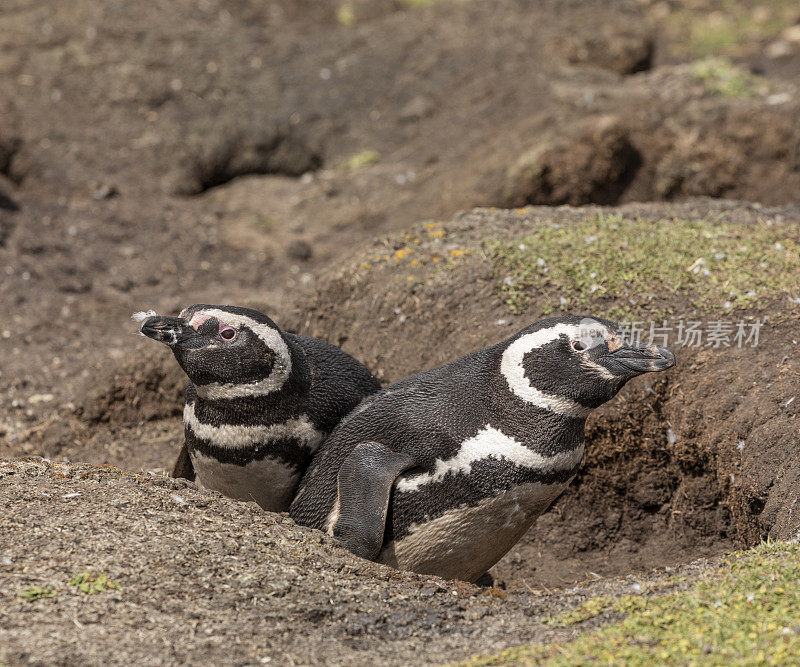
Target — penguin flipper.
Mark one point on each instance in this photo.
(365, 487)
(183, 466)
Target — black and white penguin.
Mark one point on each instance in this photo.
(259, 401)
(443, 472)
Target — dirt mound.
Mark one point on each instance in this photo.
(172, 573)
(681, 138)
(146, 388)
(239, 153)
(676, 467)
(596, 166)
(627, 47)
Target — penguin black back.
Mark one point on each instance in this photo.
(443, 472)
(259, 401)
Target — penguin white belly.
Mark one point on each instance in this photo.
(268, 482)
(463, 543)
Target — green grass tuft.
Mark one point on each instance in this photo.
(346, 15)
(362, 159)
(734, 28)
(32, 593)
(745, 613)
(92, 584)
(721, 77)
(626, 264)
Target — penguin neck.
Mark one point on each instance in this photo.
(542, 428)
(266, 407)
(257, 410)
(544, 431)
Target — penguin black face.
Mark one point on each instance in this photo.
(572, 364)
(226, 351)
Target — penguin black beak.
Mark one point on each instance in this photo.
(634, 360)
(172, 331)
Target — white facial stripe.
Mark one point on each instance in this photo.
(272, 338)
(599, 369)
(491, 443)
(241, 437)
(514, 372)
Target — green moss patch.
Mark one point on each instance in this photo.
(721, 77)
(362, 159)
(32, 593)
(627, 264)
(93, 583)
(745, 613)
(734, 27)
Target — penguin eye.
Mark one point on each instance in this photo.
(578, 346)
(227, 333)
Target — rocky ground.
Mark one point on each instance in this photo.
(282, 155)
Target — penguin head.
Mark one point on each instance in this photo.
(226, 351)
(573, 364)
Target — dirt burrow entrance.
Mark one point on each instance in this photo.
(642, 500)
(681, 465)
(678, 467)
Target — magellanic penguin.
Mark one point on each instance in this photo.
(443, 472)
(259, 401)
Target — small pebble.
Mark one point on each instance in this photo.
(778, 98)
(40, 398)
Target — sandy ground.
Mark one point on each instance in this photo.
(202, 578)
